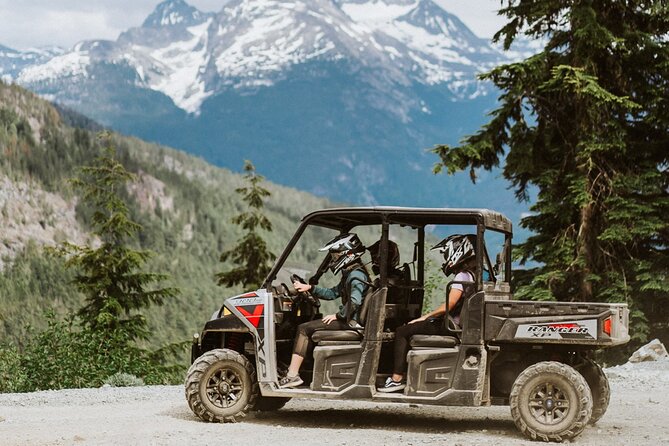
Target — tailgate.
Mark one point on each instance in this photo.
(595, 324)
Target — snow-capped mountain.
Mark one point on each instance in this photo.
(12, 62)
(189, 55)
(355, 90)
(171, 13)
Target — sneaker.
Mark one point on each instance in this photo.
(290, 381)
(391, 386)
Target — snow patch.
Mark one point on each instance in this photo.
(375, 13)
(48, 97)
(172, 18)
(67, 65)
(269, 41)
(177, 67)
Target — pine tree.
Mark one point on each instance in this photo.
(251, 255)
(109, 275)
(585, 122)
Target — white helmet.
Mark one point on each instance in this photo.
(456, 249)
(344, 249)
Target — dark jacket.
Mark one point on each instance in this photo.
(351, 289)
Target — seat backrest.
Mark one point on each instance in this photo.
(403, 278)
(406, 273)
(352, 335)
(399, 286)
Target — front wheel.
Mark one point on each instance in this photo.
(550, 401)
(221, 386)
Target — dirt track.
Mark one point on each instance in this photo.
(638, 415)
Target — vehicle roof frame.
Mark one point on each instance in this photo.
(345, 218)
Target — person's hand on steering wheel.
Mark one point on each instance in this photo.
(302, 287)
(305, 289)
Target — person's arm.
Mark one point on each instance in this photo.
(320, 292)
(453, 298)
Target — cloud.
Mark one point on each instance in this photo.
(62, 23)
(479, 15)
(65, 22)
(55, 28)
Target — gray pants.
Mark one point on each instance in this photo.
(304, 332)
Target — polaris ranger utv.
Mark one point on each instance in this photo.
(535, 357)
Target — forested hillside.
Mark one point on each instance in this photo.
(184, 205)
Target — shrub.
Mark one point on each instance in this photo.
(123, 380)
(69, 355)
(12, 375)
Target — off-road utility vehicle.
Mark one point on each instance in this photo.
(535, 357)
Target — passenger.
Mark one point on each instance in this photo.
(345, 252)
(460, 256)
(395, 275)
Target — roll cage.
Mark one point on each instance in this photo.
(346, 219)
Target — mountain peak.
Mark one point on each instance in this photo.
(434, 19)
(174, 12)
(189, 55)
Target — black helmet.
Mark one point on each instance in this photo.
(393, 255)
(456, 249)
(344, 249)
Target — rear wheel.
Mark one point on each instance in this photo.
(599, 386)
(550, 401)
(221, 386)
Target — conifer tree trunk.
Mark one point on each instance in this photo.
(585, 246)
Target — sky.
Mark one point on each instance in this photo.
(37, 23)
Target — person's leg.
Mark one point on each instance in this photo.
(402, 336)
(302, 343)
(401, 347)
(295, 364)
(301, 347)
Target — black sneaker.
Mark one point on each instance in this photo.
(391, 386)
(290, 381)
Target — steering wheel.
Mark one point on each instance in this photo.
(306, 295)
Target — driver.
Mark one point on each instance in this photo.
(345, 252)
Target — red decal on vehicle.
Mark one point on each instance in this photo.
(253, 318)
(249, 295)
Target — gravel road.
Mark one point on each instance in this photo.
(159, 415)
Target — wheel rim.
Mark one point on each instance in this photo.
(224, 388)
(548, 404)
